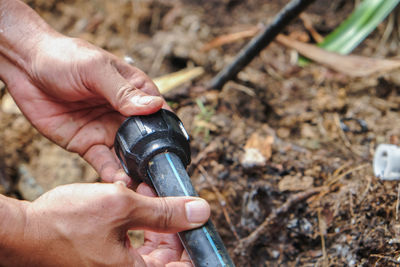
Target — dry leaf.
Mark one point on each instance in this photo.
(310, 28)
(257, 151)
(295, 183)
(263, 144)
(356, 66)
(230, 38)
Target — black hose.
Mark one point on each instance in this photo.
(259, 42)
(204, 245)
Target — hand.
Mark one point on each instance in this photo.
(162, 249)
(77, 95)
(86, 225)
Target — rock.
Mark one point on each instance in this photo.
(251, 158)
(257, 151)
(27, 184)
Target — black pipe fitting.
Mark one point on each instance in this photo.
(140, 138)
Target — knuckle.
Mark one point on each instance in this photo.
(116, 200)
(124, 93)
(93, 57)
(166, 214)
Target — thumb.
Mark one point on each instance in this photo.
(124, 96)
(168, 214)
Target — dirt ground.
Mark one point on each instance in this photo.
(289, 185)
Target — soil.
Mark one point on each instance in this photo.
(289, 185)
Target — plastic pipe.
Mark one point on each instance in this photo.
(204, 245)
(387, 162)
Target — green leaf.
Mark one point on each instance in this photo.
(351, 32)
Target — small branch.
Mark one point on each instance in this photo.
(245, 243)
(212, 147)
(221, 199)
(321, 233)
(344, 138)
(387, 258)
(344, 174)
(398, 202)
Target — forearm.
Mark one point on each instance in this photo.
(20, 31)
(12, 226)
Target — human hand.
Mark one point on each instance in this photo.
(77, 95)
(86, 225)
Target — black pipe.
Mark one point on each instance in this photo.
(204, 245)
(259, 42)
(155, 148)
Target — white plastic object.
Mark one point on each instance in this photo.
(387, 162)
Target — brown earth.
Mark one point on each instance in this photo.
(268, 149)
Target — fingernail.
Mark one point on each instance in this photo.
(142, 100)
(197, 211)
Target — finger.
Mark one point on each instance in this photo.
(185, 257)
(165, 248)
(169, 214)
(153, 240)
(123, 95)
(120, 175)
(103, 161)
(135, 77)
(153, 261)
(180, 264)
(146, 190)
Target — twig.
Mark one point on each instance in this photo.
(245, 243)
(337, 178)
(340, 169)
(390, 259)
(363, 195)
(212, 147)
(230, 38)
(398, 202)
(259, 42)
(321, 230)
(221, 199)
(351, 204)
(343, 136)
(309, 26)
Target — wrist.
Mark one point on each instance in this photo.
(21, 32)
(12, 229)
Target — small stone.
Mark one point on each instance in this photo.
(251, 158)
(257, 151)
(275, 254)
(27, 185)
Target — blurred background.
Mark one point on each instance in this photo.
(280, 145)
